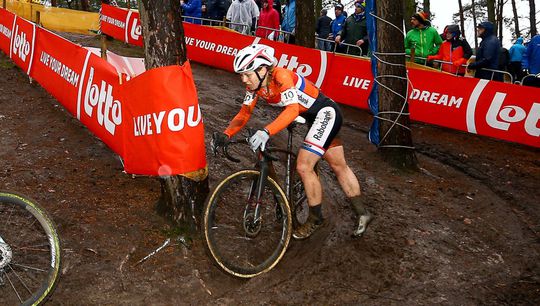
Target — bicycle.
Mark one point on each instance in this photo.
(29, 251)
(249, 217)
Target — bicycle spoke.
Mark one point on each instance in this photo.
(20, 279)
(28, 267)
(13, 287)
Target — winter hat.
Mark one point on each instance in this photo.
(422, 17)
(338, 7)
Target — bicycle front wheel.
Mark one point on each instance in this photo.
(29, 252)
(242, 241)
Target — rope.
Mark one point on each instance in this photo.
(378, 79)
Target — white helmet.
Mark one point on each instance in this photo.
(252, 57)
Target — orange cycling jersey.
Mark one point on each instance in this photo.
(285, 89)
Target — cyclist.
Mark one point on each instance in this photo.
(281, 87)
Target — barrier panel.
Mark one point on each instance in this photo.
(57, 19)
(154, 125)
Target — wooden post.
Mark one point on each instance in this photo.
(4, 4)
(128, 4)
(103, 46)
(38, 18)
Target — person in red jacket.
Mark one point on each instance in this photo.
(454, 50)
(269, 18)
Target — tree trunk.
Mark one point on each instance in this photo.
(54, 3)
(427, 8)
(181, 198)
(396, 140)
(409, 8)
(305, 30)
(85, 6)
(473, 6)
(500, 19)
(516, 19)
(532, 18)
(318, 8)
(491, 14)
(461, 18)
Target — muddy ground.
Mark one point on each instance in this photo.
(464, 230)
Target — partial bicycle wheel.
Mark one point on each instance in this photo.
(29, 251)
(239, 242)
(299, 203)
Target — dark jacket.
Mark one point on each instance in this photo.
(354, 29)
(216, 9)
(323, 26)
(487, 54)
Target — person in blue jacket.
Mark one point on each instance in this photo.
(516, 55)
(531, 62)
(487, 54)
(289, 20)
(192, 8)
(337, 24)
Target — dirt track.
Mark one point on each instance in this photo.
(463, 231)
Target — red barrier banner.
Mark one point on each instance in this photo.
(163, 116)
(23, 36)
(6, 25)
(121, 24)
(153, 121)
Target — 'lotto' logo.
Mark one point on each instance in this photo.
(136, 29)
(109, 111)
(292, 64)
(512, 114)
(21, 46)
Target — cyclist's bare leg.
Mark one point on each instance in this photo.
(335, 157)
(350, 185)
(305, 166)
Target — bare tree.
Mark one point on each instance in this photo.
(396, 140)
(181, 198)
(427, 7)
(532, 17)
(491, 13)
(409, 8)
(473, 7)
(500, 18)
(516, 19)
(461, 18)
(305, 30)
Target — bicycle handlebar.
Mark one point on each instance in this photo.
(245, 141)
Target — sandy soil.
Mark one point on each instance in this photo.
(462, 231)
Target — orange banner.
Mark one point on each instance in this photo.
(153, 121)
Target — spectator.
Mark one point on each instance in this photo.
(354, 31)
(277, 7)
(289, 20)
(516, 55)
(531, 61)
(323, 31)
(487, 54)
(337, 24)
(423, 38)
(454, 50)
(504, 59)
(269, 18)
(216, 9)
(192, 8)
(243, 14)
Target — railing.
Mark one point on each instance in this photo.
(529, 76)
(334, 47)
(284, 36)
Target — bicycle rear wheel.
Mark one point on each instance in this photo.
(29, 252)
(240, 245)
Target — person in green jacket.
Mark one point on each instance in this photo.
(423, 38)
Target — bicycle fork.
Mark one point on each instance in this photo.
(252, 213)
